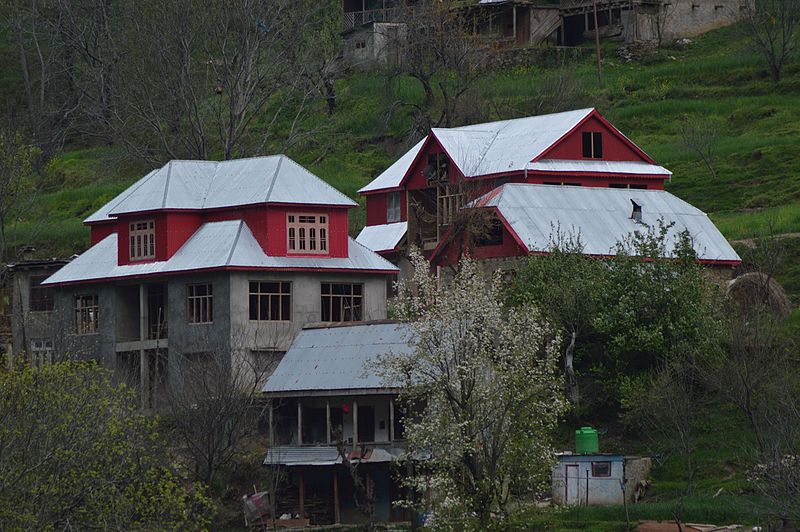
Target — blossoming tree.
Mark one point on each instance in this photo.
(485, 393)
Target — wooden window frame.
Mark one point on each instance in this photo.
(592, 144)
(594, 469)
(142, 240)
(493, 236)
(41, 354)
(282, 297)
(393, 207)
(337, 303)
(307, 234)
(438, 166)
(87, 314)
(199, 306)
(40, 298)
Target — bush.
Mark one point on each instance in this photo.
(75, 452)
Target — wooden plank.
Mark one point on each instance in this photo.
(336, 496)
(302, 495)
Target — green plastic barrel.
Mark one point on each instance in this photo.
(586, 441)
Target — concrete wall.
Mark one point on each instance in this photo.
(98, 346)
(574, 484)
(679, 19)
(373, 45)
(25, 324)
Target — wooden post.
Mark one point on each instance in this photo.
(299, 422)
(302, 496)
(271, 425)
(597, 45)
(144, 366)
(391, 420)
(328, 421)
(335, 496)
(355, 423)
(514, 17)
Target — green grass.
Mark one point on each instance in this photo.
(759, 223)
(691, 509)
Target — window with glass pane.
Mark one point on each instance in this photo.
(86, 314)
(307, 233)
(199, 303)
(142, 240)
(593, 144)
(393, 207)
(270, 301)
(342, 302)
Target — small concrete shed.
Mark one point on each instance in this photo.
(597, 479)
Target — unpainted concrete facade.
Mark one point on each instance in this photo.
(126, 342)
(678, 19)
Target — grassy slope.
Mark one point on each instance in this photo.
(716, 78)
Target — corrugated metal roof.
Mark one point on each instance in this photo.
(384, 237)
(339, 358)
(323, 455)
(393, 176)
(611, 167)
(214, 245)
(489, 148)
(295, 455)
(602, 217)
(214, 184)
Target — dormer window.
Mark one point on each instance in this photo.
(593, 144)
(307, 233)
(142, 238)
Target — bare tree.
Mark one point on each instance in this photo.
(214, 399)
(664, 404)
(700, 133)
(217, 78)
(776, 473)
(772, 26)
(439, 50)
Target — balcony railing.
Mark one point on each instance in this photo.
(354, 19)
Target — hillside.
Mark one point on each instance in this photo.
(715, 84)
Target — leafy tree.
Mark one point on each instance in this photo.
(565, 286)
(488, 379)
(649, 304)
(75, 453)
(16, 184)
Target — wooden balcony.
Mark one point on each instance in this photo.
(354, 19)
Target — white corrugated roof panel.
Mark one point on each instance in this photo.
(339, 358)
(214, 245)
(611, 167)
(215, 184)
(393, 176)
(602, 217)
(490, 148)
(515, 142)
(385, 237)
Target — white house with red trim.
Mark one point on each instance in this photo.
(572, 170)
(202, 256)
